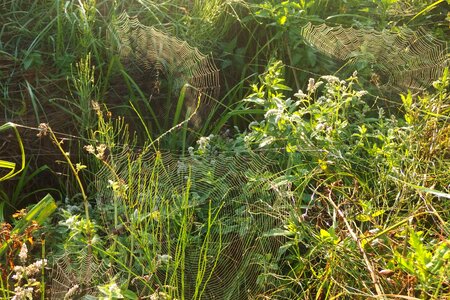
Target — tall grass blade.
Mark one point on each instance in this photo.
(11, 166)
(426, 9)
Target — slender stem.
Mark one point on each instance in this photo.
(75, 173)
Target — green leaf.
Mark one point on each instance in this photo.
(282, 87)
(324, 234)
(409, 119)
(363, 218)
(10, 165)
(7, 165)
(378, 213)
(426, 9)
(291, 148)
(180, 105)
(255, 100)
(127, 294)
(407, 100)
(406, 264)
(266, 141)
(421, 254)
(278, 232)
(441, 255)
(39, 213)
(423, 189)
(282, 20)
(32, 59)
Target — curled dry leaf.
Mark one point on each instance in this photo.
(386, 273)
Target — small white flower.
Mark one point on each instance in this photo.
(95, 105)
(89, 149)
(191, 151)
(21, 294)
(19, 271)
(165, 258)
(203, 143)
(70, 221)
(101, 148)
(23, 254)
(300, 94)
(36, 267)
(311, 85)
(330, 78)
(376, 242)
(359, 94)
(101, 151)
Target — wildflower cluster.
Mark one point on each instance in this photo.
(25, 276)
(99, 151)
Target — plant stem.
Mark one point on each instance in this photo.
(75, 173)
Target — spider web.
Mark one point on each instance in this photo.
(152, 49)
(77, 273)
(239, 190)
(405, 59)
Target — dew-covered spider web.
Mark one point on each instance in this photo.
(157, 51)
(403, 60)
(77, 273)
(201, 224)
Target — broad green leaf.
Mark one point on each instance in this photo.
(129, 295)
(39, 213)
(421, 254)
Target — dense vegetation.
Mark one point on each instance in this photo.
(224, 149)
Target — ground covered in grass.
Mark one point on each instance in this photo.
(224, 149)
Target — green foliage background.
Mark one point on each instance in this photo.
(332, 189)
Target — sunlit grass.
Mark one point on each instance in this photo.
(286, 185)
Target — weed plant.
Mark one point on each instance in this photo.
(358, 177)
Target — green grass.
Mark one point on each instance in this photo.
(288, 184)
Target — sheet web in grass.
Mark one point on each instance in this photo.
(402, 60)
(199, 224)
(152, 49)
